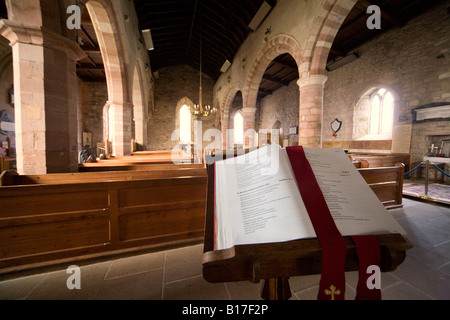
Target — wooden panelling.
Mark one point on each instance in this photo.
(84, 177)
(21, 203)
(386, 183)
(161, 223)
(42, 223)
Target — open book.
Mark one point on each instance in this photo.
(257, 199)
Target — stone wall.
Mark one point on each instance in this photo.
(282, 106)
(6, 83)
(174, 85)
(413, 62)
(93, 97)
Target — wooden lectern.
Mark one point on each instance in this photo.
(276, 262)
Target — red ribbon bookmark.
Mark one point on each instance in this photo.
(368, 250)
(334, 250)
(332, 282)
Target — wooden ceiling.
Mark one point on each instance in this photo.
(222, 25)
(178, 26)
(89, 69)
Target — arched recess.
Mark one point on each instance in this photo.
(106, 30)
(120, 112)
(323, 31)
(233, 107)
(228, 98)
(274, 47)
(140, 112)
(182, 102)
(362, 112)
(312, 71)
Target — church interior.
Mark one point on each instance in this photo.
(110, 110)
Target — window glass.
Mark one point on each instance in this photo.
(238, 128)
(185, 124)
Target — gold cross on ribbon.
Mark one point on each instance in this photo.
(333, 291)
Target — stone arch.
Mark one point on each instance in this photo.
(119, 114)
(228, 98)
(274, 47)
(140, 112)
(106, 30)
(324, 29)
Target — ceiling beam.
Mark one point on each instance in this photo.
(285, 65)
(188, 48)
(87, 67)
(385, 14)
(275, 80)
(265, 91)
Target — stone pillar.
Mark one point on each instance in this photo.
(249, 124)
(140, 128)
(120, 116)
(311, 110)
(45, 88)
(223, 129)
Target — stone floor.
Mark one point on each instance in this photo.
(176, 274)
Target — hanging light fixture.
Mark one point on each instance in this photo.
(199, 109)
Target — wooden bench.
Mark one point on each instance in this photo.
(46, 223)
(382, 160)
(11, 177)
(386, 183)
(118, 166)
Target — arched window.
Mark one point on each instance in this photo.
(381, 112)
(185, 124)
(373, 116)
(238, 129)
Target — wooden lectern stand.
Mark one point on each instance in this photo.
(276, 262)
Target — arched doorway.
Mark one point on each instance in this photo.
(120, 110)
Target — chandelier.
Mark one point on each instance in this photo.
(200, 109)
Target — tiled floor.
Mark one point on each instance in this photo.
(176, 274)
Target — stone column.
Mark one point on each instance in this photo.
(248, 114)
(223, 129)
(140, 127)
(45, 88)
(311, 110)
(120, 116)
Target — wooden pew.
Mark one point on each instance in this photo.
(46, 223)
(386, 183)
(383, 160)
(117, 166)
(11, 177)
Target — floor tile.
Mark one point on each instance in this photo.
(183, 263)
(176, 274)
(195, 288)
(20, 288)
(141, 286)
(136, 264)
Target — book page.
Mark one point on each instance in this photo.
(255, 204)
(258, 201)
(355, 208)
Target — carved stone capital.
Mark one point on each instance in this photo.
(312, 80)
(17, 32)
